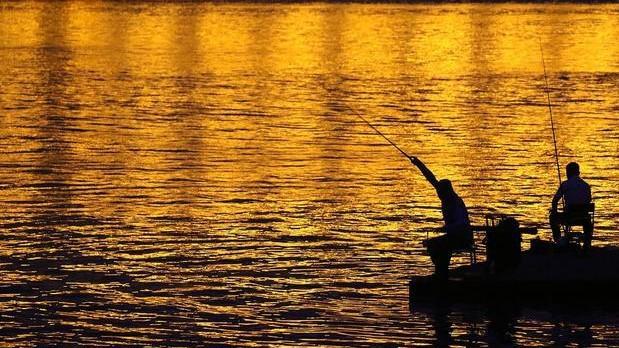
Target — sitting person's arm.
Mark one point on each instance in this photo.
(425, 171)
(557, 198)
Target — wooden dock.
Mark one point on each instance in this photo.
(540, 277)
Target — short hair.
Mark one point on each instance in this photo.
(572, 169)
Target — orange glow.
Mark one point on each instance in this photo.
(208, 146)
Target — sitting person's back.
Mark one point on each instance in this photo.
(575, 191)
(455, 214)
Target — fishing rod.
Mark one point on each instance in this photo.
(377, 131)
(552, 124)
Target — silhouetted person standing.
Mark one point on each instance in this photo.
(458, 233)
(576, 193)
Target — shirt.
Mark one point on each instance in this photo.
(454, 212)
(574, 191)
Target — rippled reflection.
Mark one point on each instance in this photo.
(183, 173)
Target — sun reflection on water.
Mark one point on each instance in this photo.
(190, 172)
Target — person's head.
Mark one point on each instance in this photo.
(445, 189)
(572, 169)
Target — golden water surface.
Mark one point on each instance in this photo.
(174, 174)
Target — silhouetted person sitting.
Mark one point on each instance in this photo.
(576, 194)
(458, 233)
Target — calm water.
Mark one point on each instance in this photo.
(182, 173)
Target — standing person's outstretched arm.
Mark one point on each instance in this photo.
(425, 171)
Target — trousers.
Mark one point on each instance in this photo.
(558, 218)
(441, 248)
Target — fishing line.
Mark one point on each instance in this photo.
(377, 131)
(552, 124)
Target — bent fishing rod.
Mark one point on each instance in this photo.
(552, 124)
(377, 131)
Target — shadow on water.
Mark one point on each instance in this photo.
(500, 324)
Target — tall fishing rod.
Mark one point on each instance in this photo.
(377, 131)
(552, 123)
